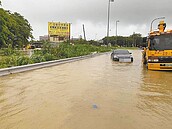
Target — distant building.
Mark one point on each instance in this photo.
(43, 38)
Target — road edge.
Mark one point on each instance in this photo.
(24, 68)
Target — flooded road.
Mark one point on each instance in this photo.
(95, 93)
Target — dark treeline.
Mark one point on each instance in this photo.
(134, 40)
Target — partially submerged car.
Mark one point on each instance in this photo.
(121, 56)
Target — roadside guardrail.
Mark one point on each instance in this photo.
(23, 68)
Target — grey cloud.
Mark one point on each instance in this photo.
(129, 12)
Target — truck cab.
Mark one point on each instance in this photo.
(158, 54)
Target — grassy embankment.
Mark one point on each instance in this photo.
(10, 57)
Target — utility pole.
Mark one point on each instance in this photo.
(134, 39)
(108, 19)
(84, 32)
(69, 31)
(116, 31)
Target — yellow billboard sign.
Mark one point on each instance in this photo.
(59, 29)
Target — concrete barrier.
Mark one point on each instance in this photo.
(23, 68)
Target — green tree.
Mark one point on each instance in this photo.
(137, 39)
(5, 33)
(22, 31)
(14, 29)
(134, 40)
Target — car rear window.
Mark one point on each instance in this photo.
(121, 52)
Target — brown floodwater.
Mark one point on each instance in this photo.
(94, 93)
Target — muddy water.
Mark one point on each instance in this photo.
(95, 93)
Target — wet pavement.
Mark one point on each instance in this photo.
(95, 93)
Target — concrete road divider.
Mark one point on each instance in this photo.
(23, 68)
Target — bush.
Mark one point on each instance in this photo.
(2, 65)
(10, 51)
(13, 60)
(49, 57)
(48, 53)
(23, 60)
(9, 61)
(37, 58)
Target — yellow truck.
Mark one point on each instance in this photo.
(158, 53)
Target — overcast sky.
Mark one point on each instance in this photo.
(134, 15)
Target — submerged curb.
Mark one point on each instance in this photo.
(23, 68)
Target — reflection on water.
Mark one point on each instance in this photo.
(156, 95)
(95, 93)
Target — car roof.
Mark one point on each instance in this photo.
(120, 51)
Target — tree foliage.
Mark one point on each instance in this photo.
(15, 30)
(134, 40)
